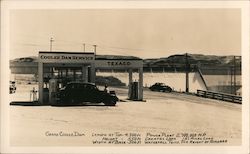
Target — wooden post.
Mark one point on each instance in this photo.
(140, 84)
(130, 80)
(40, 81)
(187, 75)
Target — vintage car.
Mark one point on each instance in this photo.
(77, 92)
(12, 87)
(160, 87)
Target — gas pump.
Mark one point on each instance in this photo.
(53, 88)
(134, 90)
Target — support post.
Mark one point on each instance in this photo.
(231, 79)
(84, 74)
(235, 75)
(92, 73)
(40, 81)
(187, 74)
(140, 96)
(130, 80)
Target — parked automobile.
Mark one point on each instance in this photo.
(160, 87)
(78, 92)
(12, 87)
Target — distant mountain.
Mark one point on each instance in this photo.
(25, 59)
(193, 59)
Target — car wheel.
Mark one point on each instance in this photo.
(73, 101)
(56, 104)
(110, 103)
(64, 102)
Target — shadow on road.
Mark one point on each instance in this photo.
(26, 103)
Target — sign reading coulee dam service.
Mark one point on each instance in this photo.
(61, 57)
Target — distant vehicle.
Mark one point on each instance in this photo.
(12, 87)
(77, 92)
(160, 87)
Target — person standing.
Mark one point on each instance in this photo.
(106, 88)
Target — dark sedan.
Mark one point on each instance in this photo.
(160, 87)
(78, 92)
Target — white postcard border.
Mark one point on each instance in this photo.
(6, 6)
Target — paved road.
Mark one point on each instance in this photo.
(171, 113)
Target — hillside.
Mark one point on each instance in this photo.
(193, 59)
(208, 64)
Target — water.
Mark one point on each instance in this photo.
(214, 80)
(176, 81)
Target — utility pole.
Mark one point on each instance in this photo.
(234, 75)
(187, 73)
(95, 49)
(51, 40)
(231, 79)
(83, 47)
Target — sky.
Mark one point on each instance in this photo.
(145, 33)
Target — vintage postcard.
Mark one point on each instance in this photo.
(125, 77)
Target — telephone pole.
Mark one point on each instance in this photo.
(231, 79)
(235, 75)
(83, 47)
(51, 40)
(187, 73)
(95, 49)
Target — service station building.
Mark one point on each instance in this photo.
(56, 69)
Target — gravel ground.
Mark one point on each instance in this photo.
(170, 113)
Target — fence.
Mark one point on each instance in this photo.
(220, 96)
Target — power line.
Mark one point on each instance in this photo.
(91, 44)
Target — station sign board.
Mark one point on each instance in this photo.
(120, 63)
(63, 57)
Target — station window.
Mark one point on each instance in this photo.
(62, 74)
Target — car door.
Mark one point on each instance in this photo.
(76, 93)
(72, 92)
(92, 93)
(83, 94)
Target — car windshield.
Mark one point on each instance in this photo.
(92, 87)
(162, 84)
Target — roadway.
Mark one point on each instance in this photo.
(171, 113)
